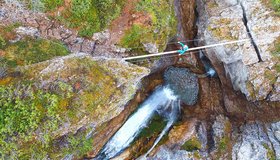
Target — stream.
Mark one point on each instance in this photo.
(159, 101)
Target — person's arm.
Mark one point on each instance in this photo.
(182, 44)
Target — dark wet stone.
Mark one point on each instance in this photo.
(184, 83)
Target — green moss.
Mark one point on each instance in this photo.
(24, 109)
(270, 153)
(277, 67)
(90, 16)
(44, 5)
(134, 38)
(163, 25)
(212, 4)
(196, 155)
(223, 31)
(223, 144)
(30, 51)
(2, 42)
(276, 5)
(7, 33)
(271, 76)
(156, 125)
(35, 111)
(78, 144)
(192, 144)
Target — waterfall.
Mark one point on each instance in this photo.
(172, 118)
(160, 100)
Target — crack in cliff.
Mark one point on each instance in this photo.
(245, 21)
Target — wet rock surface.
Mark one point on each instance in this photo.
(184, 83)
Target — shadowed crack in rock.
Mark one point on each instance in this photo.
(245, 21)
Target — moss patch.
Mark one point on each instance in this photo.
(223, 30)
(24, 109)
(155, 127)
(163, 25)
(90, 16)
(192, 144)
(41, 100)
(147, 137)
(28, 50)
(270, 153)
(276, 5)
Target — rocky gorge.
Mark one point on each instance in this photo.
(65, 92)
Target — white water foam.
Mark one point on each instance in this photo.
(160, 98)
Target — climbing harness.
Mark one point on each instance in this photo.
(184, 49)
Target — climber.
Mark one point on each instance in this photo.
(183, 49)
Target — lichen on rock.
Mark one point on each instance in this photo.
(246, 64)
(87, 92)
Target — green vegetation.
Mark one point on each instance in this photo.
(44, 5)
(276, 5)
(87, 16)
(223, 144)
(276, 54)
(51, 4)
(270, 153)
(156, 125)
(27, 109)
(78, 144)
(162, 25)
(90, 16)
(2, 42)
(147, 136)
(192, 144)
(28, 50)
(23, 110)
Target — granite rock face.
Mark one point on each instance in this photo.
(251, 66)
(253, 143)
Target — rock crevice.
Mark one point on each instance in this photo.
(245, 21)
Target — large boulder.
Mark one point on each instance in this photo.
(184, 83)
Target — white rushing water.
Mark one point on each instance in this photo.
(172, 118)
(160, 99)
